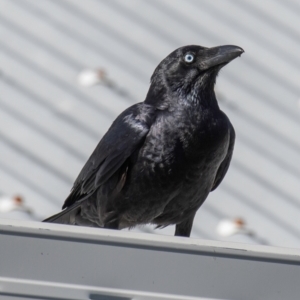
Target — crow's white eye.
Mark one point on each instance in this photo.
(189, 58)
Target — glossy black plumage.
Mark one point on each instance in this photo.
(160, 158)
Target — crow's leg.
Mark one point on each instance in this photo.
(185, 227)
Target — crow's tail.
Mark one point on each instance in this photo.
(67, 216)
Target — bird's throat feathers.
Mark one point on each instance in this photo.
(167, 93)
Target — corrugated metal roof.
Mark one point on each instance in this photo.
(49, 125)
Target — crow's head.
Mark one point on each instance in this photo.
(189, 72)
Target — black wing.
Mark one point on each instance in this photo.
(126, 134)
(226, 162)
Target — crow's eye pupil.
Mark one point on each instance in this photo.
(189, 58)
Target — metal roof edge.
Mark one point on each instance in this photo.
(52, 261)
(168, 243)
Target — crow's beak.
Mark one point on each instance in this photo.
(220, 56)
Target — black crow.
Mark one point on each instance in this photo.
(160, 158)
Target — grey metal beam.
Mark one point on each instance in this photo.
(51, 261)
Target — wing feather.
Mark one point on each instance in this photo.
(226, 162)
(125, 136)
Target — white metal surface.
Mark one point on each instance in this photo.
(50, 261)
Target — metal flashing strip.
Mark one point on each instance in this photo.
(36, 289)
(51, 261)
